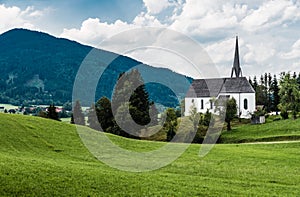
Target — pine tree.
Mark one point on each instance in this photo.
(77, 114)
(105, 116)
(130, 85)
(275, 92)
(255, 84)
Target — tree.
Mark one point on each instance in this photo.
(131, 85)
(289, 95)
(51, 113)
(255, 84)
(105, 116)
(77, 114)
(275, 94)
(231, 111)
(170, 123)
(227, 108)
(194, 117)
(298, 80)
(72, 119)
(139, 102)
(93, 119)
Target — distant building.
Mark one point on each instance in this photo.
(203, 92)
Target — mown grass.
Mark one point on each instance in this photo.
(40, 157)
(270, 131)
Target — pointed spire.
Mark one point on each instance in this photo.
(236, 64)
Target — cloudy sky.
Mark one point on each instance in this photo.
(269, 31)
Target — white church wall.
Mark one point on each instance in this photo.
(239, 97)
(201, 104)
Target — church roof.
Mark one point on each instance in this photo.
(213, 87)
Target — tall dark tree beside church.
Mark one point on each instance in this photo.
(77, 114)
(51, 112)
(255, 84)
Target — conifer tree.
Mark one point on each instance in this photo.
(77, 114)
(105, 116)
(93, 119)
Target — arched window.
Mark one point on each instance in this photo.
(192, 100)
(245, 104)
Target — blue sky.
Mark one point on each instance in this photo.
(268, 29)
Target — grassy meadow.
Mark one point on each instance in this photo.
(279, 130)
(40, 157)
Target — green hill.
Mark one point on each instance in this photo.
(40, 157)
(279, 130)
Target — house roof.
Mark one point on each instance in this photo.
(213, 87)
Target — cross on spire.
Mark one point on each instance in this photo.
(236, 63)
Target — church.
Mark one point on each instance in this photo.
(203, 92)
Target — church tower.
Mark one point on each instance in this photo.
(236, 63)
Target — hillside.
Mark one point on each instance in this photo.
(37, 68)
(40, 157)
(279, 130)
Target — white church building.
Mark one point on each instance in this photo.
(203, 92)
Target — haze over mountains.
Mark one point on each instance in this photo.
(37, 68)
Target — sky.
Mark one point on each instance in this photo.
(268, 30)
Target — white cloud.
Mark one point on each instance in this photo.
(294, 53)
(266, 29)
(258, 53)
(156, 6)
(222, 51)
(145, 19)
(93, 31)
(207, 17)
(14, 17)
(271, 13)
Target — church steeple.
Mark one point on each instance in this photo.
(236, 64)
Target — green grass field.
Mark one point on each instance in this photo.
(271, 131)
(40, 157)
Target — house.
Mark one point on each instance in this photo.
(203, 92)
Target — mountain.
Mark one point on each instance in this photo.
(37, 68)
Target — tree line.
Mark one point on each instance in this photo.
(277, 96)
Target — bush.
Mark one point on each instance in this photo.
(284, 114)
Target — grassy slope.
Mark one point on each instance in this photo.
(271, 131)
(43, 157)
